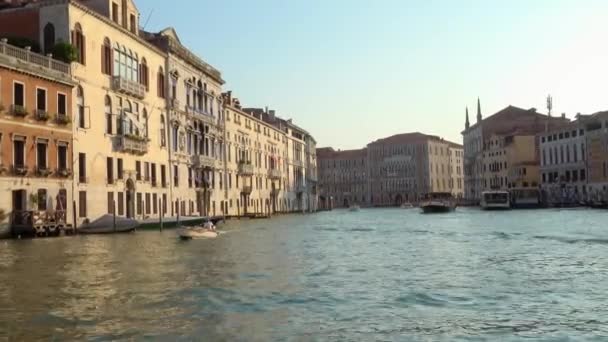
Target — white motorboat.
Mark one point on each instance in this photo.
(438, 202)
(188, 233)
(354, 207)
(407, 206)
(495, 200)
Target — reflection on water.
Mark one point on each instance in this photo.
(373, 274)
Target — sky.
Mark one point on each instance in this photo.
(353, 71)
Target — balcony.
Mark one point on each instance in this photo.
(297, 163)
(41, 115)
(274, 174)
(18, 111)
(246, 190)
(300, 189)
(245, 169)
(275, 192)
(19, 170)
(174, 104)
(43, 171)
(204, 162)
(312, 177)
(62, 119)
(63, 173)
(134, 144)
(125, 86)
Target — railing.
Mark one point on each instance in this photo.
(297, 163)
(134, 144)
(27, 218)
(17, 110)
(63, 172)
(20, 170)
(127, 86)
(203, 161)
(27, 56)
(41, 115)
(274, 174)
(300, 189)
(245, 169)
(275, 192)
(246, 189)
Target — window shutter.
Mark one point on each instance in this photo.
(110, 60)
(103, 60)
(84, 49)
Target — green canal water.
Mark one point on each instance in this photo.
(373, 275)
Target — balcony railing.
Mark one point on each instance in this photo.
(298, 163)
(62, 119)
(246, 189)
(204, 162)
(126, 86)
(275, 192)
(134, 144)
(300, 189)
(25, 55)
(20, 170)
(245, 169)
(274, 174)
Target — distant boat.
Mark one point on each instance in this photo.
(407, 206)
(495, 200)
(525, 198)
(105, 225)
(438, 202)
(206, 232)
(354, 207)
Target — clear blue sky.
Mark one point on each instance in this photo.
(352, 71)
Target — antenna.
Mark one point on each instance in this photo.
(549, 104)
(148, 19)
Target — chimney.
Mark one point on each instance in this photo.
(271, 114)
(563, 115)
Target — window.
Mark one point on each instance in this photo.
(41, 154)
(154, 203)
(163, 177)
(132, 24)
(126, 63)
(80, 107)
(109, 119)
(143, 74)
(164, 204)
(110, 170)
(42, 200)
(115, 12)
(41, 100)
(138, 170)
(82, 168)
(153, 174)
(110, 202)
(146, 171)
(62, 104)
(62, 156)
(163, 141)
(106, 58)
(19, 94)
(175, 175)
(19, 152)
(121, 210)
(139, 203)
(583, 175)
(175, 137)
(119, 173)
(160, 83)
(148, 203)
(79, 41)
(82, 204)
(49, 37)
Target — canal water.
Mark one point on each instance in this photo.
(377, 274)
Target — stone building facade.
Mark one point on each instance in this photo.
(36, 141)
(391, 171)
(153, 132)
(502, 151)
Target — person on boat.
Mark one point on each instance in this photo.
(209, 226)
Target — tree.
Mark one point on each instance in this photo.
(65, 52)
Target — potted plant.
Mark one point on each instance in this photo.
(43, 171)
(19, 111)
(65, 52)
(62, 119)
(64, 172)
(33, 200)
(42, 115)
(20, 170)
(1, 107)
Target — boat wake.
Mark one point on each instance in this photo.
(573, 240)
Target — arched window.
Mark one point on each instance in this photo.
(160, 83)
(108, 110)
(80, 106)
(145, 116)
(143, 74)
(200, 95)
(79, 42)
(49, 37)
(163, 131)
(106, 57)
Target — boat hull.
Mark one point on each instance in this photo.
(437, 209)
(189, 234)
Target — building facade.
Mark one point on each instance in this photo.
(596, 132)
(502, 151)
(36, 141)
(563, 163)
(342, 177)
(153, 134)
